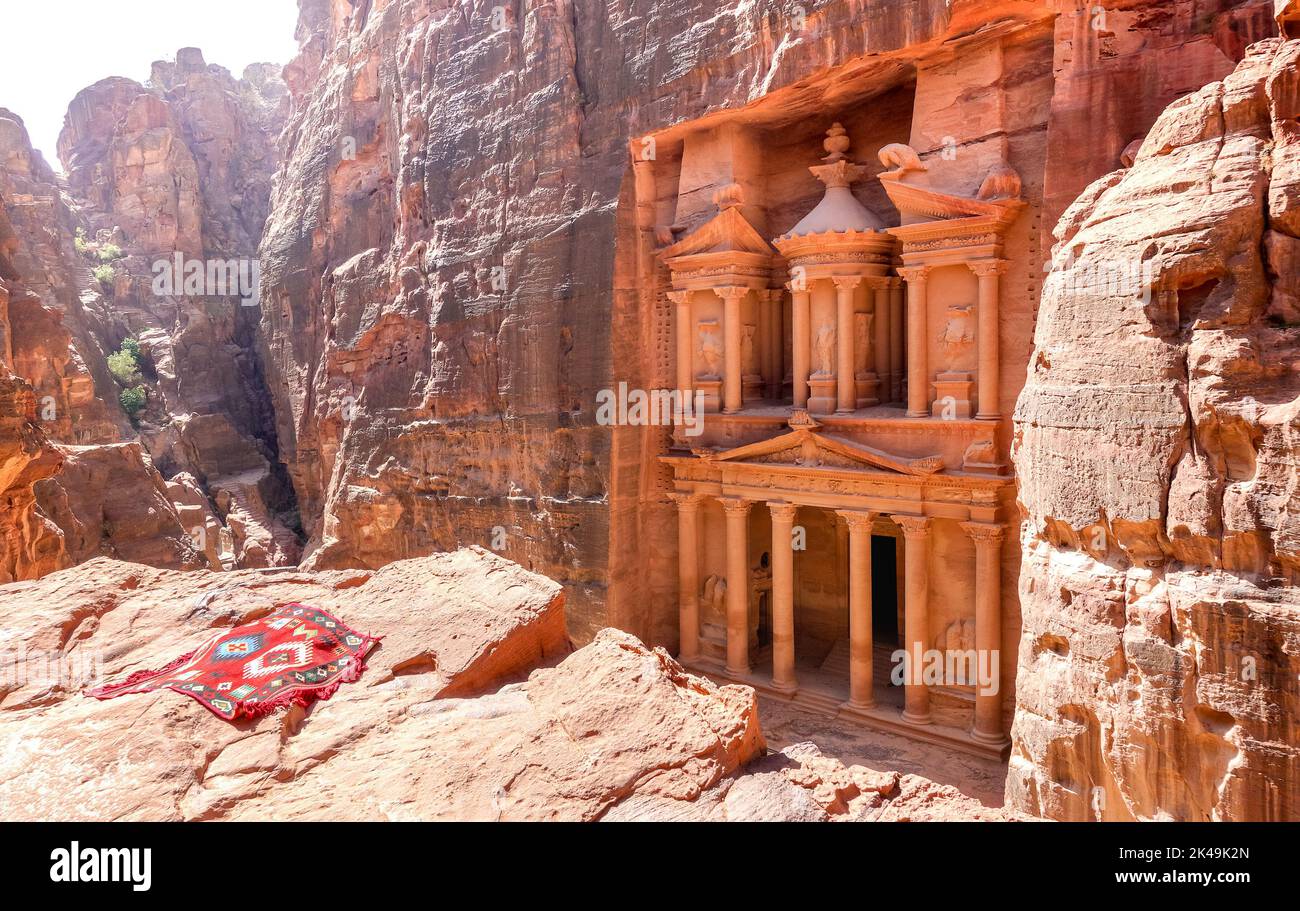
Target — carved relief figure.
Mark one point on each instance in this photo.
(825, 346)
(711, 350)
(747, 359)
(959, 331)
(862, 325)
(980, 452)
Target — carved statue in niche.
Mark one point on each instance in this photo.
(714, 594)
(959, 637)
(980, 452)
(862, 324)
(958, 331)
(711, 350)
(825, 346)
(748, 360)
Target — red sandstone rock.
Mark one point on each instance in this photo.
(179, 168)
(30, 545)
(110, 501)
(420, 403)
(1157, 462)
(452, 623)
(442, 724)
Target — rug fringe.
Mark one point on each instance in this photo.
(107, 691)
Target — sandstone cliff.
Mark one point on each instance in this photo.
(1156, 453)
(442, 296)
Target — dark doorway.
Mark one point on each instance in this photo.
(884, 590)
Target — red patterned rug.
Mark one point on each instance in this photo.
(290, 657)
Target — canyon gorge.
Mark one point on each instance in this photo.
(991, 307)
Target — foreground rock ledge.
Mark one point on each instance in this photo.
(442, 725)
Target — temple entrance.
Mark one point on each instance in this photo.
(884, 591)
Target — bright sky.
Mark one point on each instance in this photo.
(55, 48)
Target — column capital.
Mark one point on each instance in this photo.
(680, 298)
(736, 506)
(846, 282)
(731, 292)
(988, 266)
(857, 520)
(797, 286)
(686, 502)
(783, 511)
(914, 274)
(915, 527)
(984, 532)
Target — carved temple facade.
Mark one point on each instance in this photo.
(849, 498)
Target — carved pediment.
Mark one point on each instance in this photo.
(807, 447)
(727, 233)
(913, 192)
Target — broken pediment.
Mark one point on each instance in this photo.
(726, 234)
(913, 192)
(807, 447)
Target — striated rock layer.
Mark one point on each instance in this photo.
(1156, 450)
(468, 709)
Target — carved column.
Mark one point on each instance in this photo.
(775, 337)
(801, 349)
(884, 364)
(896, 339)
(737, 585)
(987, 328)
(916, 618)
(688, 573)
(733, 333)
(845, 363)
(861, 648)
(685, 346)
(918, 367)
(783, 515)
(988, 624)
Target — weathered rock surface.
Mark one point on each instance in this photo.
(47, 328)
(30, 545)
(453, 623)
(442, 724)
(179, 172)
(1160, 659)
(110, 501)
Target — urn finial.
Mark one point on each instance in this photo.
(836, 142)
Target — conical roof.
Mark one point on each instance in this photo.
(839, 210)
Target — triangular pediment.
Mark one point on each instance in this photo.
(726, 232)
(812, 448)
